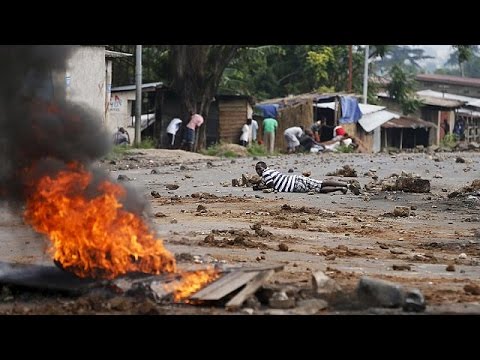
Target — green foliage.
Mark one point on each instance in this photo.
(401, 88)
(257, 150)
(450, 140)
(147, 143)
(218, 150)
(345, 149)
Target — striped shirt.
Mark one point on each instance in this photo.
(281, 182)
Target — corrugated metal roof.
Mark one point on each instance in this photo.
(133, 87)
(373, 120)
(369, 109)
(116, 54)
(364, 108)
(449, 79)
(437, 94)
(407, 122)
(446, 103)
(469, 112)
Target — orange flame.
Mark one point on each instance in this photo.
(191, 282)
(93, 236)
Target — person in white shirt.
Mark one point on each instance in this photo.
(254, 128)
(172, 130)
(246, 133)
(292, 137)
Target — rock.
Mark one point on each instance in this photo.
(462, 256)
(330, 257)
(283, 247)
(113, 162)
(413, 207)
(450, 267)
(253, 303)
(307, 173)
(267, 191)
(401, 267)
(173, 221)
(460, 160)
(280, 300)
(472, 289)
(403, 211)
(379, 293)
(201, 208)
(154, 171)
(474, 145)
(309, 307)
(172, 186)
(413, 185)
(155, 194)
(123, 178)
(414, 301)
(290, 170)
(209, 239)
(248, 311)
(322, 284)
(438, 176)
(346, 171)
(235, 182)
(160, 214)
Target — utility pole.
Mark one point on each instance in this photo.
(365, 74)
(138, 97)
(350, 68)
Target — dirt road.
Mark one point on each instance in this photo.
(346, 236)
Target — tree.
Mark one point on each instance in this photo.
(405, 56)
(462, 53)
(401, 89)
(195, 74)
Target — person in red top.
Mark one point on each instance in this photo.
(195, 122)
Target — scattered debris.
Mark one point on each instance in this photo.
(450, 267)
(401, 267)
(472, 289)
(346, 171)
(379, 293)
(403, 211)
(172, 186)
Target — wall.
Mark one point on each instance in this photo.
(85, 79)
(120, 110)
(297, 115)
(232, 115)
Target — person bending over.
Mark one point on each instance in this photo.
(297, 183)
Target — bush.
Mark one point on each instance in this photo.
(257, 150)
(450, 140)
(345, 149)
(147, 143)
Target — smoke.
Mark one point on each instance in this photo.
(39, 128)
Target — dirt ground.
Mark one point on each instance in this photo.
(345, 236)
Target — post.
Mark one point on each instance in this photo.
(138, 97)
(350, 68)
(401, 138)
(365, 74)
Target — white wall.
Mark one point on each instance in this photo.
(86, 79)
(120, 110)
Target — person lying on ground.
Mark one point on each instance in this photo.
(302, 184)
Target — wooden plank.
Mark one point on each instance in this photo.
(224, 286)
(249, 289)
(277, 268)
